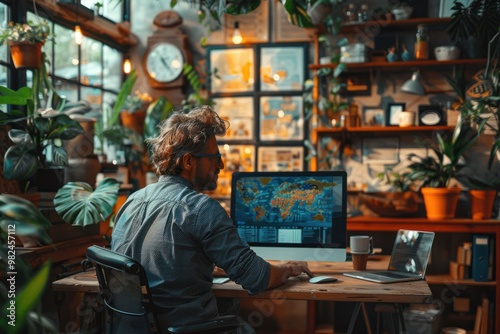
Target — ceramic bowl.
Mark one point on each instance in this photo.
(447, 52)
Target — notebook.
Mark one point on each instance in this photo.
(409, 259)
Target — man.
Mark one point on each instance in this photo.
(179, 234)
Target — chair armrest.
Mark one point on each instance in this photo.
(223, 323)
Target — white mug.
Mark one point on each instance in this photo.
(361, 244)
(406, 118)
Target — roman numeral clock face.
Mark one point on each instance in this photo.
(164, 62)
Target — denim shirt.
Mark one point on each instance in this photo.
(178, 235)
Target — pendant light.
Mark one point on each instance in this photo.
(237, 39)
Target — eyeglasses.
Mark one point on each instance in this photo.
(217, 156)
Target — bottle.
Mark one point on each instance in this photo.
(422, 43)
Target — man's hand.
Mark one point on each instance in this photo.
(280, 273)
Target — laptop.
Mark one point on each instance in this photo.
(409, 259)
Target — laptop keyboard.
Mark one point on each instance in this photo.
(390, 274)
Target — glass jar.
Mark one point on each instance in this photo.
(422, 43)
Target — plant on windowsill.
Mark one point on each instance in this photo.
(133, 111)
(37, 129)
(26, 41)
(435, 172)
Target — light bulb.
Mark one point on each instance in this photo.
(127, 66)
(237, 39)
(78, 35)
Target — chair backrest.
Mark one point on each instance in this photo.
(124, 290)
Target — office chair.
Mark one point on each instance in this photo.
(124, 289)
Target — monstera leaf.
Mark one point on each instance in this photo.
(78, 204)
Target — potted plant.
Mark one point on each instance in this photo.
(26, 41)
(35, 132)
(473, 25)
(434, 172)
(133, 111)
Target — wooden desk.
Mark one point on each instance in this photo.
(298, 288)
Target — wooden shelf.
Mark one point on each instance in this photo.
(403, 64)
(371, 129)
(395, 24)
(461, 225)
(446, 279)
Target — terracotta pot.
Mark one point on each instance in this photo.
(441, 203)
(26, 55)
(481, 202)
(134, 120)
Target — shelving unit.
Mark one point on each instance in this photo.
(488, 226)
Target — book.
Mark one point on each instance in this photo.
(484, 316)
(477, 322)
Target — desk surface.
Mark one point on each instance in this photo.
(299, 288)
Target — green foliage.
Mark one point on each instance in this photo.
(157, 111)
(438, 169)
(26, 32)
(199, 96)
(80, 205)
(398, 181)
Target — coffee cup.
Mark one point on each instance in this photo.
(361, 244)
(406, 118)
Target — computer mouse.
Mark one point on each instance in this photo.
(322, 279)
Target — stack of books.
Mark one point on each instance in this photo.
(461, 268)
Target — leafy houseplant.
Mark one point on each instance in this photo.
(21, 217)
(435, 172)
(476, 22)
(80, 205)
(26, 41)
(34, 132)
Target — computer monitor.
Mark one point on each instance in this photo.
(292, 216)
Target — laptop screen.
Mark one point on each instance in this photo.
(411, 251)
(299, 209)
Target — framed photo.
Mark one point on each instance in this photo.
(236, 158)
(372, 116)
(356, 84)
(282, 68)
(276, 159)
(381, 151)
(429, 115)
(231, 70)
(239, 112)
(392, 113)
(281, 118)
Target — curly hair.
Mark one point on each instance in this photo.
(183, 133)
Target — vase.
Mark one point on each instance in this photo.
(482, 202)
(26, 55)
(441, 203)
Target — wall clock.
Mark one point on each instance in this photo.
(166, 53)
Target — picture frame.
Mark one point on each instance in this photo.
(285, 67)
(281, 118)
(356, 84)
(372, 116)
(239, 112)
(231, 69)
(392, 113)
(280, 158)
(431, 115)
(380, 150)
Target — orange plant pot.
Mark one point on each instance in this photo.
(481, 202)
(441, 203)
(134, 121)
(26, 55)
